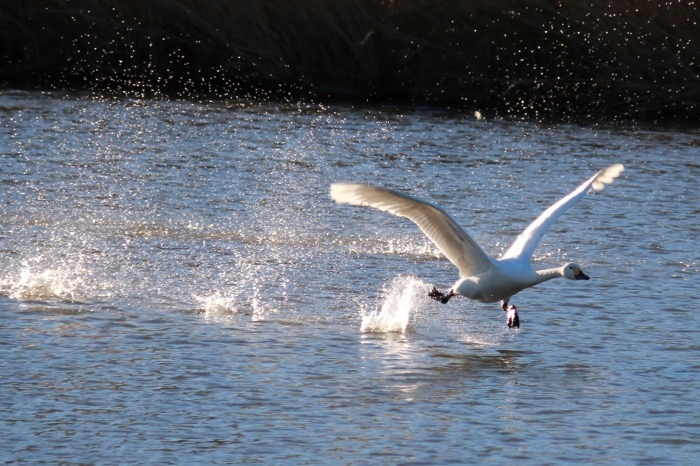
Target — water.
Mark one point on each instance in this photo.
(176, 287)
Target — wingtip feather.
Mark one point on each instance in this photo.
(340, 192)
(606, 176)
(348, 193)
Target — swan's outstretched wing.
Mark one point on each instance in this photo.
(454, 243)
(528, 240)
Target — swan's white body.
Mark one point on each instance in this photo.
(483, 278)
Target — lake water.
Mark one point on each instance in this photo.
(176, 287)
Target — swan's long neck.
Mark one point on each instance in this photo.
(547, 274)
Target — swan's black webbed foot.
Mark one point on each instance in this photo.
(435, 294)
(513, 319)
(440, 296)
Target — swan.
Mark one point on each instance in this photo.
(482, 277)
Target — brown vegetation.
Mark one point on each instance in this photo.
(536, 58)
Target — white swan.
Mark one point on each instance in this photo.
(482, 277)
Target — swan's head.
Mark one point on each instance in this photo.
(573, 272)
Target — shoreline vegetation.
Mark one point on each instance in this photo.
(543, 59)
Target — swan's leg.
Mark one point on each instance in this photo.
(513, 319)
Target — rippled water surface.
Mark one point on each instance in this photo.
(177, 287)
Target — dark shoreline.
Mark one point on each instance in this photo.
(519, 59)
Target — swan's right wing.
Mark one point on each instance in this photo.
(454, 243)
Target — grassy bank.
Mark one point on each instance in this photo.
(532, 58)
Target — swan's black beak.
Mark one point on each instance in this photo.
(579, 275)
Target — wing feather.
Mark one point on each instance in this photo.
(454, 242)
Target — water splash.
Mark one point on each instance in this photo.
(402, 297)
(54, 284)
(242, 292)
(218, 304)
(221, 305)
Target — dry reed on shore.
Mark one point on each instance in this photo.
(532, 58)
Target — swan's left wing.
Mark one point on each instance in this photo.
(454, 242)
(528, 240)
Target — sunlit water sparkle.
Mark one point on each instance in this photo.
(177, 287)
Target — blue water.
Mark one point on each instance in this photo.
(176, 287)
